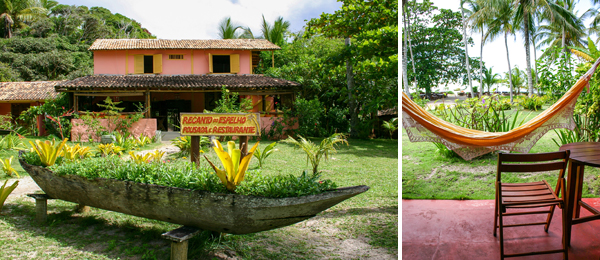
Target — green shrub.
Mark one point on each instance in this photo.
(183, 174)
(532, 103)
(310, 114)
(184, 143)
(283, 186)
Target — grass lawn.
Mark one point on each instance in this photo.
(428, 175)
(365, 226)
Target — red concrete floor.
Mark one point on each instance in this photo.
(462, 229)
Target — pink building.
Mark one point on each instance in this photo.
(172, 76)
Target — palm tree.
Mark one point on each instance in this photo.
(462, 13)
(591, 54)
(275, 33)
(228, 30)
(14, 12)
(524, 14)
(501, 22)
(554, 34)
(517, 78)
(404, 60)
(489, 78)
(479, 17)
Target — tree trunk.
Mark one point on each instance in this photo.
(528, 56)
(351, 97)
(481, 66)
(466, 50)
(509, 69)
(412, 57)
(404, 70)
(535, 66)
(564, 41)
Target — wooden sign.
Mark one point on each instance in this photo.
(239, 124)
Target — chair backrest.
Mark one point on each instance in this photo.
(534, 162)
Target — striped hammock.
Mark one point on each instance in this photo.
(422, 126)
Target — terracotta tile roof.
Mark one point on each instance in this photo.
(36, 90)
(164, 82)
(153, 44)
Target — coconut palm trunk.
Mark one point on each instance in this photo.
(509, 68)
(412, 57)
(404, 70)
(481, 66)
(462, 13)
(528, 56)
(535, 66)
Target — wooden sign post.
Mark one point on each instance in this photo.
(234, 124)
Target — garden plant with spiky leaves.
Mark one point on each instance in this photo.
(314, 152)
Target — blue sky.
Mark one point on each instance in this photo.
(187, 19)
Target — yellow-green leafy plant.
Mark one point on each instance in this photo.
(157, 155)
(75, 152)
(314, 152)
(6, 168)
(48, 151)
(143, 140)
(140, 158)
(262, 155)
(234, 166)
(110, 149)
(5, 191)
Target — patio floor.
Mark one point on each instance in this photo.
(462, 229)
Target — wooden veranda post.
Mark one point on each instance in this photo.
(147, 104)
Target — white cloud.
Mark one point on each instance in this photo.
(187, 19)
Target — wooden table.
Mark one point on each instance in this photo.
(582, 154)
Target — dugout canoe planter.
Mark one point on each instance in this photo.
(226, 213)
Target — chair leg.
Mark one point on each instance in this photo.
(496, 212)
(501, 226)
(564, 233)
(549, 218)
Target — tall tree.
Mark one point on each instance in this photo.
(478, 13)
(14, 12)
(468, 67)
(228, 29)
(524, 11)
(373, 26)
(502, 24)
(438, 46)
(404, 48)
(275, 32)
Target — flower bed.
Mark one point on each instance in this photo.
(183, 194)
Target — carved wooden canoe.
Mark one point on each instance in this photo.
(227, 213)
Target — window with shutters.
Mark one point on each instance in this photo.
(147, 64)
(224, 63)
(221, 64)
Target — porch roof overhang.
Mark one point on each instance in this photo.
(244, 84)
(25, 92)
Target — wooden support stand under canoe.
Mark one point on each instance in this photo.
(226, 213)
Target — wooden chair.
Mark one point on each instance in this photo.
(530, 195)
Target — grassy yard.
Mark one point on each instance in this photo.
(365, 226)
(428, 175)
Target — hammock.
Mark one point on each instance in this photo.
(422, 126)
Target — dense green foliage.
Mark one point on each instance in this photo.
(52, 45)
(436, 33)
